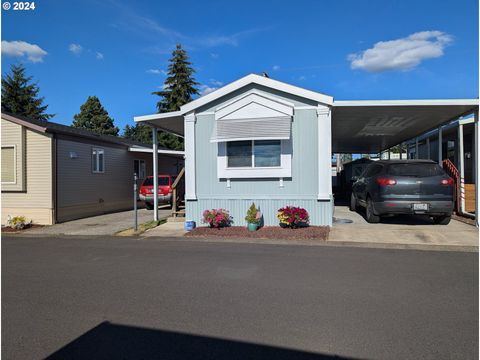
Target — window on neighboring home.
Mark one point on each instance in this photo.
(254, 153)
(8, 164)
(98, 160)
(139, 168)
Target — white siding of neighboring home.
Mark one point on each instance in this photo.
(31, 196)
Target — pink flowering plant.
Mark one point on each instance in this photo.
(293, 217)
(217, 218)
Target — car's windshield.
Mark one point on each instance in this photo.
(162, 181)
(415, 169)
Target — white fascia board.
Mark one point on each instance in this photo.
(433, 102)
(260, 80)
(160, 151)
(157, 116)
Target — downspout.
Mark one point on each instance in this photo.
(54, 178)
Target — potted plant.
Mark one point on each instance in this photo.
(217, 218)
(253, 218)
(293, 217)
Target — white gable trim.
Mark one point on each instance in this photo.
(260, 80)
(272, 107)
(258, 93)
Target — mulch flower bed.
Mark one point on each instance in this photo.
(8, 229)
(266, 232)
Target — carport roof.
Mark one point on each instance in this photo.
(370, 126)
(363, 126)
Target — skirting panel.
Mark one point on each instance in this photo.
(321, 212)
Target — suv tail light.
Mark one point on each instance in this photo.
(447, 182)
(386, 181)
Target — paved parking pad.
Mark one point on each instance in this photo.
(409, 230)
(107, 224)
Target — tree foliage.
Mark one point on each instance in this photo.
(178, 89)
(139, 132)
(180, 85)
(20, 96)
(94, 117)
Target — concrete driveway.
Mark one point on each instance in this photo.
(107, 224)
(408, 230)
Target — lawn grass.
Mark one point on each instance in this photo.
(141, 228)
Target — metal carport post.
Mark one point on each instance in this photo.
(477, 170)
(155, 172)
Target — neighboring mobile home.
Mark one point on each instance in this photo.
(55, 173)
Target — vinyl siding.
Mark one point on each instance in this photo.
(303, 183)
(35, 201)
(320, 212)
(82, 193)
(299, 190)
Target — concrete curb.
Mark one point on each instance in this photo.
(372, 245)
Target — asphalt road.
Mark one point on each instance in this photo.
(118, 298)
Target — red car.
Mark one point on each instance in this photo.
(165, 190)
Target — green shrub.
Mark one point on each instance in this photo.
(254, 216)
(18, 222)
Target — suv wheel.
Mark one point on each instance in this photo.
(442, 220)
(371, 217)
(149, 206)
(353, 202)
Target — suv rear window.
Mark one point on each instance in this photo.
(162, 181)
(416, 170)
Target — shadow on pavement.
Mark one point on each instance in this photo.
(113, 341)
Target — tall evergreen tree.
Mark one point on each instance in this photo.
(179, 86)
(139, 132)
(20, 96)
(94, 117)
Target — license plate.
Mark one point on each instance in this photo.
(420, 207)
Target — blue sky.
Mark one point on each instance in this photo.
(118, 50)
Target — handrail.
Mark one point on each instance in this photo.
(179, 176)
(453, 172)
(174, 193)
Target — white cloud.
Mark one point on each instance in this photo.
(205, 89)
(156, 71)
(302, 77)
(401, 54)
(99, 55)
(75, 49)
(214, 55)
(148, 27)
(276, 67)
(216, 82)
(33, 52)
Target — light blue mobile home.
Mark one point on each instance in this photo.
(257, 140)
(264, 141)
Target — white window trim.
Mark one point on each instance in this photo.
(103, 167)
(282, 171)
(14, 146)
(139, 167)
